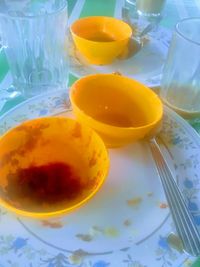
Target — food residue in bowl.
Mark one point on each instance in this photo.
(112, 105)
(100, 37)
(45, 185)
(121, 119)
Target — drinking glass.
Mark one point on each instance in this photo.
(33, 34)
(180, 87)
(143, 15)
(150, 8)
(130, 2)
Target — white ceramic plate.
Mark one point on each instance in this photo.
(127, 223)
(146, 66)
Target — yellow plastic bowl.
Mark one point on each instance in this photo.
(50, 166)
(120, 109)
(100, 39)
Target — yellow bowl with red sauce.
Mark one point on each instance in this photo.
(100, 39)
(50, 166)
(121, 110)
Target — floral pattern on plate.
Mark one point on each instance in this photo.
(26, 243)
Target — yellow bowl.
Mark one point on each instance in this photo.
(120, 109)
(50, 166)
(100, 39)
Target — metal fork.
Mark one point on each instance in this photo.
(183, 219)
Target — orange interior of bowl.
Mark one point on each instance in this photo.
(101, 29)
(50, 166)
(100, 40)
(116, 101)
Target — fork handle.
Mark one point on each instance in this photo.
(182, 218)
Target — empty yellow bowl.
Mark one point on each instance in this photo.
(120, 109)
(50, 166)
(100, 39)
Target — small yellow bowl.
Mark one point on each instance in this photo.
(50, 166)
(100, 39)
(120, 109)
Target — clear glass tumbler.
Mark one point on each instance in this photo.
(180, 88)
(33, 34)
(150, 8)
(143, 15)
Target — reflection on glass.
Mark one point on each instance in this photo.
(33, 34)
(181, 76)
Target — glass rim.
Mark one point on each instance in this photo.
(130, 2)
(180, 33)
(55, 12)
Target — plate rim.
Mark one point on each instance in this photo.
(167, 111)
(160, 29)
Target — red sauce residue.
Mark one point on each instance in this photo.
(99, 173)
(47, 184)
(33, 136)
(89, 140)
(77, 131)
(93, 160)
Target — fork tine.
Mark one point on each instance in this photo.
(185, 217)
(170, 195)
(183, 227)
(172, 203)
(183, 220)
(192, 244)
(180, 213)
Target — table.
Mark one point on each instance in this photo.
(174, 11)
